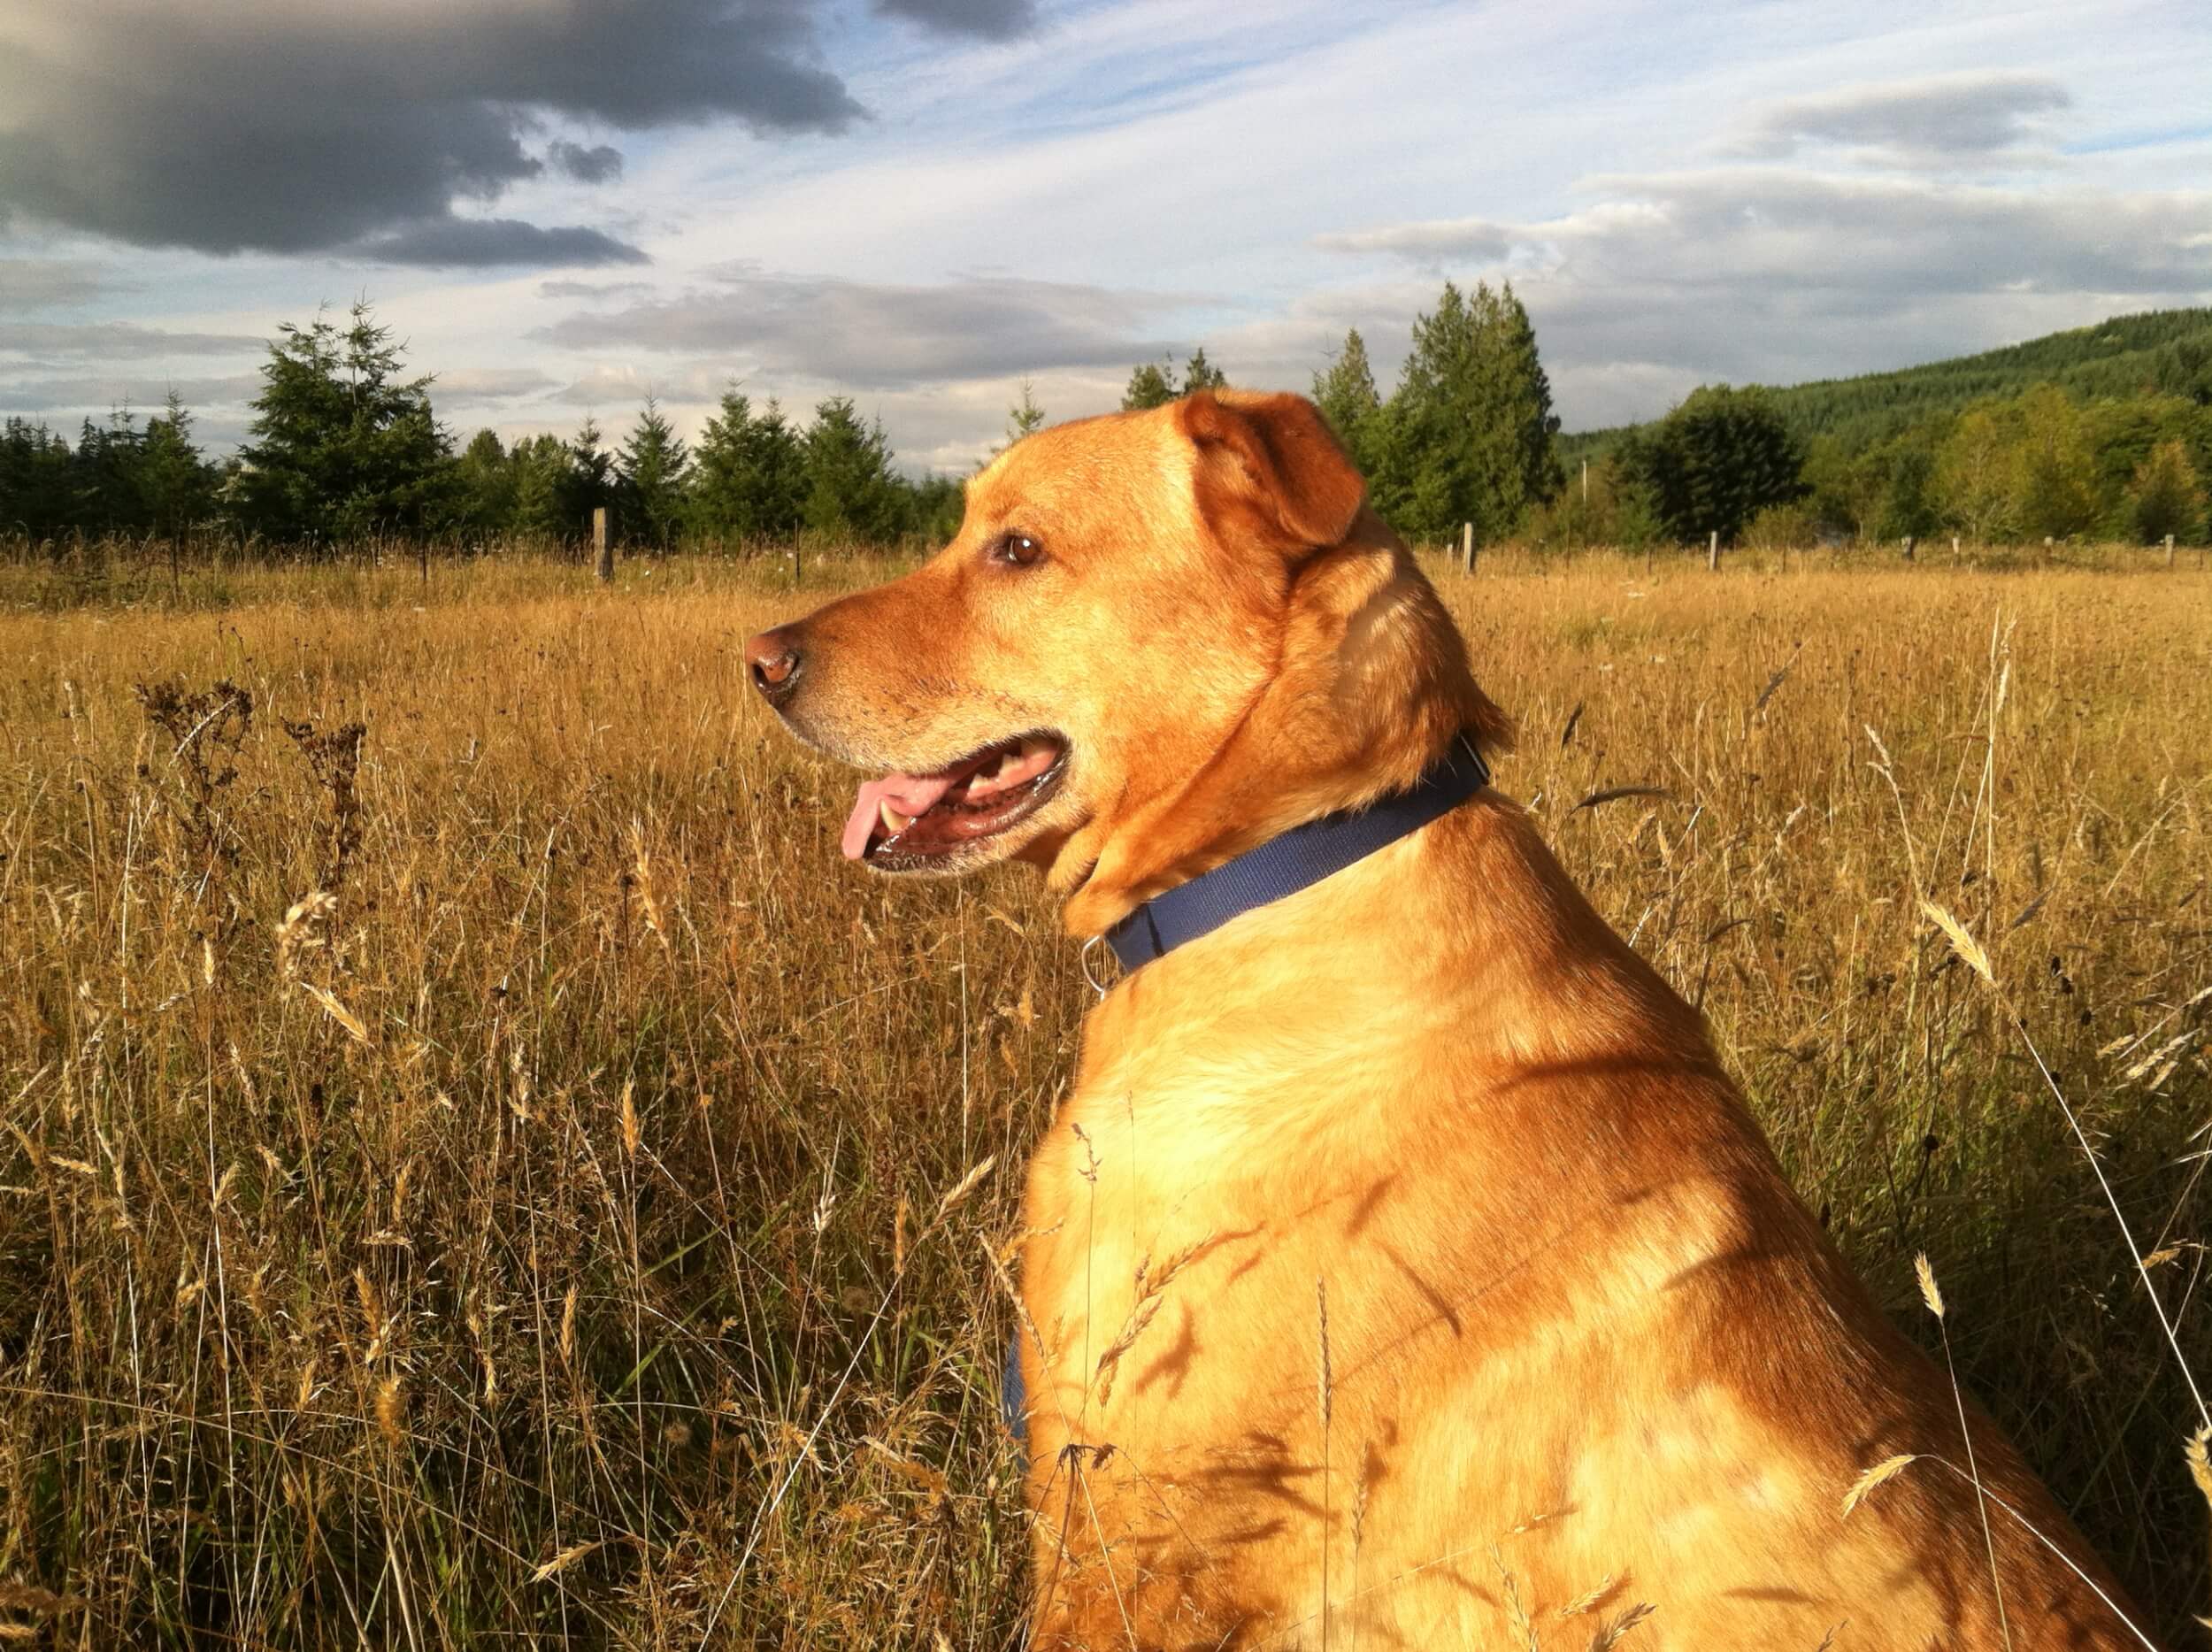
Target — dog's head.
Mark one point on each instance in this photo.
(1157, 639)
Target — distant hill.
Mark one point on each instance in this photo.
(2160, 351)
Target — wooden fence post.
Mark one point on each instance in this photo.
(1909, 548)
(2169, 550)
(1712, 553)
(1954, 548)
(602, 547)
(798, 550)
(1467, 546)
(2047, 550)
(1646, 559)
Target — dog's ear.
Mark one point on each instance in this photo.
(1269, 463)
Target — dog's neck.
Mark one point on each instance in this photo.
(1300, 857)
(1469, 930)
(1374, 690)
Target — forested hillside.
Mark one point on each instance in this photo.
(2101, 433)
(2163, 352)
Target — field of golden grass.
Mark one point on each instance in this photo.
(479, 1170)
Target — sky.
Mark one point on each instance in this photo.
(561, 206)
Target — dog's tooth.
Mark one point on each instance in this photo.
(894, 822)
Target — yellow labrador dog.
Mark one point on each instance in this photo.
(1404, 1271)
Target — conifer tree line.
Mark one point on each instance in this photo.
(344, 446)
(2105, 434)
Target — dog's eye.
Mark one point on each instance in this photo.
(1017, 550)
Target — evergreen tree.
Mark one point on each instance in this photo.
(342, 443)
(1469, 436)
(484, 485)
(591, 479)
(654, 473)
(749, 473)
(1530, 439)
(934, 506)
(1201, 374)
(776, 458)
(1715, 461)
(545, 489)
(851, 494)
(2166, 497)
(106, 483)
(1346, 392)
(722, 486)
(1024, 417)
(2183, 368)
(36, 497)
(1151, 385)
(176, 483)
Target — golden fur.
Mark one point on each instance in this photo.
(1403, 1270)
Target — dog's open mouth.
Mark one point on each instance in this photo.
(912, 822)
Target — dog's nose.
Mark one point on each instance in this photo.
(773, 658)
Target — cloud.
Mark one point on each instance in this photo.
(453, 243)
(986, 20)
(1444, 237)
(878, 335)
(1942, 120)
(122, 339)
(271, 125)
(43, 283)
(602, 163)
(473, 385)
(87, 392)
(1778, 275)
(591, 290)
(628, 387)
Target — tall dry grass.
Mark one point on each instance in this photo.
(498, 1176)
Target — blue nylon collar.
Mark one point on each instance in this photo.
(1300, 858)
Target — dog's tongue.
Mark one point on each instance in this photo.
(909, 794)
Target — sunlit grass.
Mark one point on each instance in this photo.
(479, 1252)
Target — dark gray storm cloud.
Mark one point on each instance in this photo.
(988, 19)
(601, 163)
(880, 335)
(1946, 120)
(271, 125)
(454, 243)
